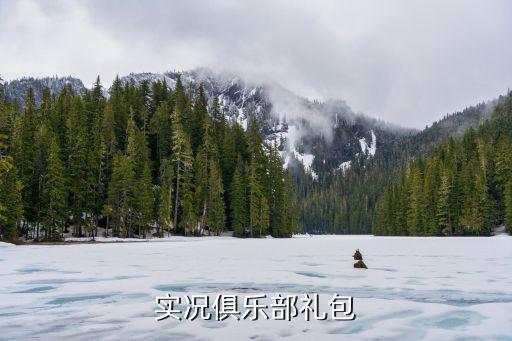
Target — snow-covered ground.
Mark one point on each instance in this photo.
(415, 288)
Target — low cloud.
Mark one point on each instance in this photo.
(408, 62)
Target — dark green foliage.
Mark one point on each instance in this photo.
(280, 223)
(165, 203)
(78, 168)
(120, 201)
(24, 156)
(182, 160)
(145, 160)
(138, 155)
(53, 196)
(10, 200)
(237, 201)
(215, 215)
(199, 115)
(345, 201)
(443, 217)
(463, 187)
(161, 130)
(508, 205)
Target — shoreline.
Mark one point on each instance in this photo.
(117, 240)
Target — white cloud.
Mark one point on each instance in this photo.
(409, 62)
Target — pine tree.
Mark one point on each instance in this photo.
(277, 200)
(255, 146)
(78, 158)
(228, 155)
(24, 156)
(165, 209)
(108, 145)
(10, 199)
(201, 186)
(487, 203)
(118, 106)
(78, 143)
(161, 128)
(475, 206)
(199, 115)
(415, 215)
(291, 205)
(54, 194)
(7, 126)
(258, 188)
(443, 206)
(219, 124)
(258, 203)
(208, 190)
(401, 208)
(45, 110)
(430, 195)
(379, 218)
(96, 193)
(237, 195)
(216, 216)
(183, 164)
(58, 120)
(508, 205)
(502, 171)
(159, 94)
(472, 219)
(182, 105)
(119, 207)
(138, 155)
(42, 141)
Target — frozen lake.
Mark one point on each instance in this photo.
(430, 288)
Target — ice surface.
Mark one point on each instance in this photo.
(415, 288)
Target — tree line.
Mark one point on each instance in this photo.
(464, 187)
(145, 160)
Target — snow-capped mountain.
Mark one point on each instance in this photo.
(314, 134)
(17, 89)
(322, 136)
(237, 99)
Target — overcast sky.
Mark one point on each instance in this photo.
(408, 62)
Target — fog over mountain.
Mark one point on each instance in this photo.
(407, 62)
(302, 129)
(323, 137)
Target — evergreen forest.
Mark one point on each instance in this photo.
(143, 161)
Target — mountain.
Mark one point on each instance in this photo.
(17, 89)
(323, 137)
(315, 134)
(463, 187)
(345, 201)
(342, 161)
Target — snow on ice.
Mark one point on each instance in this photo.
(430, 288)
